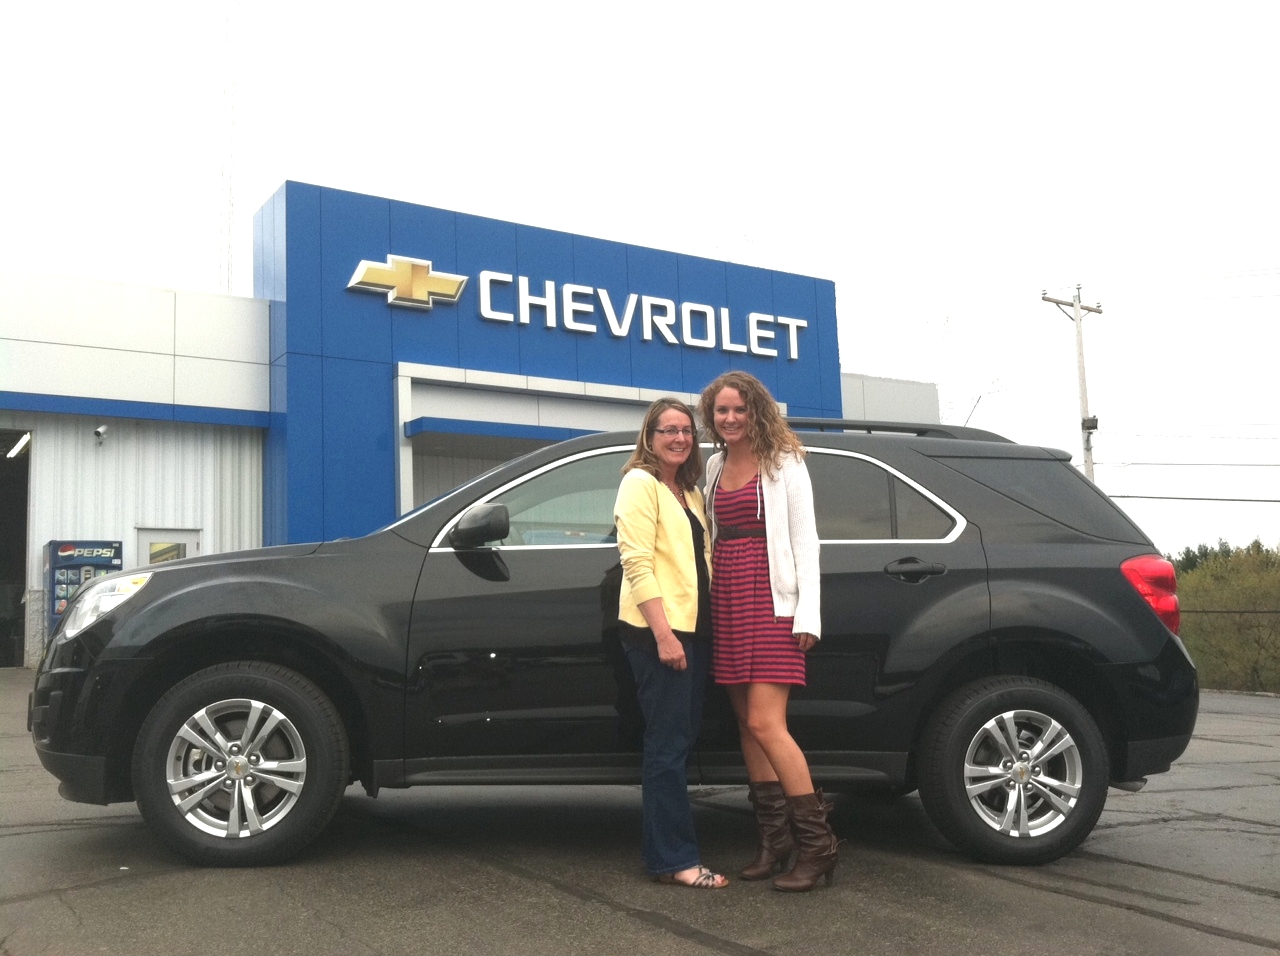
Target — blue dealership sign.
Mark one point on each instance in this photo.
(359, 284)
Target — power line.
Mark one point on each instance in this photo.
(1246, 274)
(1256, 501)
(1111, 434)
(1187, 464)
(1241, 611)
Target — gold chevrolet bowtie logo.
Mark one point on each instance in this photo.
(408, 282)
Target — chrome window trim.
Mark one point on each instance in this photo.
(443, 536)
(960, 521)
(440, 542)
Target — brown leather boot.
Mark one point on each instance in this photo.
(775, 840)
(817, 846)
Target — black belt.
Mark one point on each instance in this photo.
(728, 532)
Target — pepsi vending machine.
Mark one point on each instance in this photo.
(69, 564)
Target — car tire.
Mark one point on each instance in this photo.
(1013, 770)
(240, 764)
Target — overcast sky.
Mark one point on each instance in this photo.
(942, 163)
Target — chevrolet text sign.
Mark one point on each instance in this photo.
(585, 310)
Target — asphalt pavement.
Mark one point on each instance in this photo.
(1187, 866)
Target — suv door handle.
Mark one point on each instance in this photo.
(913, 570)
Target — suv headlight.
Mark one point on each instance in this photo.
(99, 598)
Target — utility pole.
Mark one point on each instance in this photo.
(1088, 425)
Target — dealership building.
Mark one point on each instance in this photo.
(390, 351)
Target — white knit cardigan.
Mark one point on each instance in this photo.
(792, 534)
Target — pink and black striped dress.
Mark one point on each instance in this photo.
(750, 644)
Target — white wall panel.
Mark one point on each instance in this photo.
(143, 474)
(593, 416)
(473, 405)
(104, 340)
(49, 369)
(522, 408)
(220, 384)
(222, 327)
(868, 398)
(85, 312)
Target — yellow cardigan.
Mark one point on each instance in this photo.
(656, 545)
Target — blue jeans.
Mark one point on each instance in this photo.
(671, 702)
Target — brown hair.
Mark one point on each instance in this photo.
(644, 457)
(768, 433)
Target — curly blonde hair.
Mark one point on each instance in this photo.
(768, 434)
(687, 475)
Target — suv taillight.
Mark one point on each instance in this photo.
(1155, 579)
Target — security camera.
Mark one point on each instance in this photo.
(99, 432)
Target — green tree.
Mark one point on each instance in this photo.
(1189, 560)
(1230, 602)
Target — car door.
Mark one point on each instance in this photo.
(900, 568)
(514, 657)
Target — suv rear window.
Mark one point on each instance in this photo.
(856, 500)
(1052, 488)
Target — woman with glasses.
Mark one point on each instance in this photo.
(665, 625)
(766, 615)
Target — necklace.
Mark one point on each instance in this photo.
(675, 490)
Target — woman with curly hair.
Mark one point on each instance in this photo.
(766, 615)
(664, 613)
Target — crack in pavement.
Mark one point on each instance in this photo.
(1192, 816)
(1225, 787)
(1103, 884)
(651, 918)
(61, 897)
(27, 829)
(57, 892)
(1155, 868)
(1206, 928)
(654, 919)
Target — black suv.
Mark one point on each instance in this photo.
(996, 633)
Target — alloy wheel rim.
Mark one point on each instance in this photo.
(236, 768)
(1023, 773)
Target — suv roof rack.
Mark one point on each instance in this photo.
(920, 430)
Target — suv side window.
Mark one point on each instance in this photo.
(916, 516)
(857, 500)
(570, 504)
(1054, 489)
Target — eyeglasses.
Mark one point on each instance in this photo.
(671, 431)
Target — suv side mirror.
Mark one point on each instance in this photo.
(480, 524)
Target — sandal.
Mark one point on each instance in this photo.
(705, 880)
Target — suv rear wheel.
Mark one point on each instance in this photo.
(240, 764)
(1013, 770)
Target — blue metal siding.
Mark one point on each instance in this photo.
(275, 456)
(358, 466)
(116, 408)
(303, 447)
(300, 282)
(331, 451)
(454, 426)
(431, 337)
(487, 244)
(601, 356)
(750, 290)
(829, 348)
(795, 297)
(547, 348)
(654, 363)
(354, 325)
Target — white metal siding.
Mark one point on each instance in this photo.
(143, 474)
(435, 474)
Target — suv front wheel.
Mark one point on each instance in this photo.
(240, 764)
(1013, 770)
